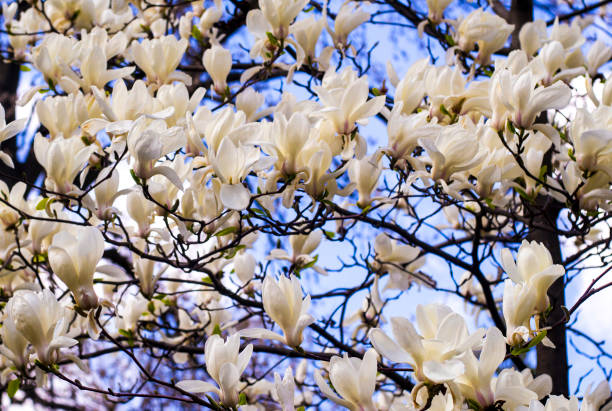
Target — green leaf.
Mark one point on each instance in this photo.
(444, 110)
(242, 399)
(473, 405)
(311, 263)
(543, 171)
(534, 341)
(537, 339)
(196, 33)
(24, 68)
(523, 194)
(231, 253)
(226, 231)
(376, 91)
(125, 333)
(300, 408)
(329, 234)
(136, 178)
(272, 39)
(207, 280)
(570, 153)
(39, 258)
(511, 127)
(12, 387)
(42, 204)
(151, 307)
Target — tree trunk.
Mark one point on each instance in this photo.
(545, 213)
(552, 361)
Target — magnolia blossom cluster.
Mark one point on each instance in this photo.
(181, 179)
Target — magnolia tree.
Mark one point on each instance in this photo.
(231, 205)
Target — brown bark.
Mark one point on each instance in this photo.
(545, 211)
(521, 12)
(552, 361)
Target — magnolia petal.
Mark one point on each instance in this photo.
(261, 333)
(235, 196)
(388, 348)
(327, 391)
(6, 159)
(170, 174)
(196, 386)
(443, 372)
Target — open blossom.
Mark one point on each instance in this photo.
(159, 58)
(148, 141)
(280, 14)
(225, 364)
(353, 379)
(535, 268)
(232, 162)
(302, 246)
(525, 292)
(14, 344)
(347, 104)
(43, 321)
(63, 115)
(453, 150)
(62, 159)
(487, 30)
(283, 303)
(435, 353)
(350, 16)
(287, 138)
(475, 383)
(517, 98)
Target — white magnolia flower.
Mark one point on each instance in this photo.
(62, 159)
(148, 141)
(43, 321)
(487, 30)
(301, 246)
(350, 16)
(282, 301)
(534, 267)
(285, 390)
(364, 174)
(14, 344)
(231, 163)
(225, 365)
(159, 58)
(73, 256)
(517, 98)
(434, 355)
(475, 381)
(218, 63)
(347, 104)
(353, 378)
